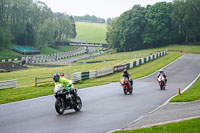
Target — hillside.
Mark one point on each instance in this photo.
(91, 32)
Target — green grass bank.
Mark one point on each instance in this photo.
(188, 126)
(191, 94)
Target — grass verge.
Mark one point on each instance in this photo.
(188, 126)
(12, 95)
(191, 94)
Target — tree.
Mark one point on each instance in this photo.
(46, 33)
(31, 37)
(111, 34)
(88, 18)
(125, 34)
(158, 30)
(109, 20)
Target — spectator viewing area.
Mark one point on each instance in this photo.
(25, 50)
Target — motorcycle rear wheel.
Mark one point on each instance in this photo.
(60, 107)
(78, 104)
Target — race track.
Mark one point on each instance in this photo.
(105, 107)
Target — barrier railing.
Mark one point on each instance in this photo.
(105, 71)
(8, 84)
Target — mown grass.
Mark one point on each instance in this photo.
(27, 81)
(8, 54)
(91, 32)
(186, 49)
(188, 126)
(191, 94)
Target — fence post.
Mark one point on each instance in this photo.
(35, 81)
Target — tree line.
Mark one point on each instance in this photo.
(88, 18)
(156, 25)
(25, 22)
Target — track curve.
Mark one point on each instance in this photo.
(104, 107)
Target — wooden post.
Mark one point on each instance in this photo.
(35, 81)
(179, 91)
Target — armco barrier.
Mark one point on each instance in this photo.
(85, 75)
(127, 66)
(131, 65)
(134, 64)
(119, 68)
(92, 74)
(105, 71)
(8, 84)
(76, 77)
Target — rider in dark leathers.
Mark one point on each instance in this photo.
(127, 75)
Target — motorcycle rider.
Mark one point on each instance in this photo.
(127, 75)
(161, 72)
(65, 82)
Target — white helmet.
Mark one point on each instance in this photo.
(161, 70)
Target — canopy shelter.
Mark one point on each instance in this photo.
(25, 50)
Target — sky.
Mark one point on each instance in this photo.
(99, 8)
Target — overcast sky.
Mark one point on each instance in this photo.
(99, 8)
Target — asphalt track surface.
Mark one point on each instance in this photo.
(105, 107)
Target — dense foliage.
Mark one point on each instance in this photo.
(156, 25)
(25, 22)
(88, 18)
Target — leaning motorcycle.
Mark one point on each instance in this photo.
(64, 100)
(127, 88)
(161, 81)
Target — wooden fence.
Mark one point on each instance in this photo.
(44, 80)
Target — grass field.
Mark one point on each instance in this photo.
(191, 94)
(189, 126)
(91, 32)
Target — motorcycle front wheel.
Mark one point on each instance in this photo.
(78, 103)
(59, 106)
(125, 90)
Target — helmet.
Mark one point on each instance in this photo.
(125, 70)
(56, 77)
(161, 70)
